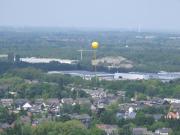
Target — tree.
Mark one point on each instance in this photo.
(5, 116)
(74, 128)
(142, 120)
(108, 117)
(96, 131)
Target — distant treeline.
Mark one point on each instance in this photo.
(5, 66)
(54, 66)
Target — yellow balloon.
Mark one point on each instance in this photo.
(95, 45)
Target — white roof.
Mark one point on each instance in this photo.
(46, 60)
(27, 105)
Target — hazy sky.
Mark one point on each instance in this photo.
(149, 14)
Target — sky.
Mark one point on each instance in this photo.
(115, 14)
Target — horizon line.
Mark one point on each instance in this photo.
(122, 29)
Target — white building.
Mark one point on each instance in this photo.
(172, 100)
(26, 106)
(47, 60)
(129, 76)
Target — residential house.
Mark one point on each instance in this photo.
(158, 101)
(52, 101)
(121, 93)
(175, 107)
(111, 98)
(37, 108)
(19, 103)
(126, 106)
(163, 131)
(53, 105)
(7, 102)
(68, 101)
(84, 118)
(83, 101)
(31, 81)
(173, 115)
(138, 105)
(120, 114)
(93, 108)
(174, 112)
(172, 100)
(99, 93)
(100, 102)
(141, 131)
(108, 129)
(39, 101)
(27, 106)
(130, 114)
(155, 102)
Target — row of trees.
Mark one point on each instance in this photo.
(56, 85)
(53, 128)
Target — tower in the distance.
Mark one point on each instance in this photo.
(94, 46)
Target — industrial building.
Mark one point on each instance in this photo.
(130, 76)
